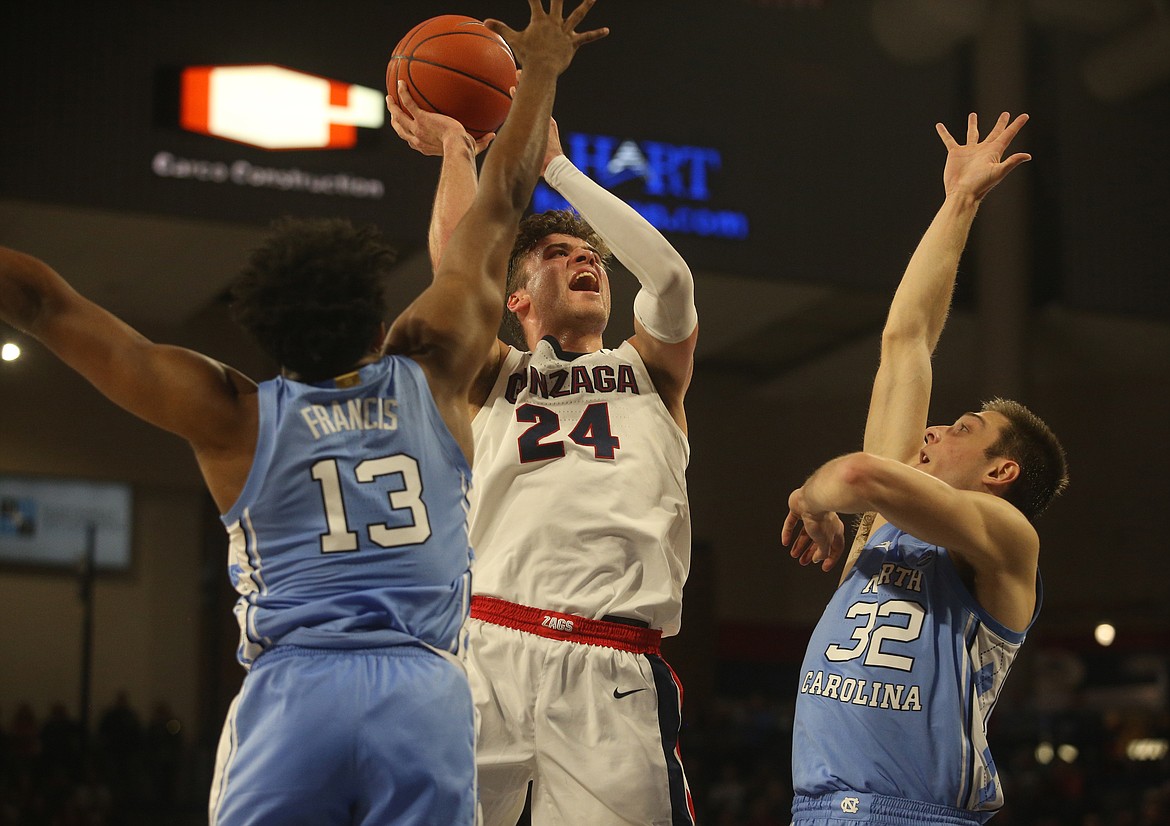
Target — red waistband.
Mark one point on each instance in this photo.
(568, 627)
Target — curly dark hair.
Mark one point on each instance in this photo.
(1027, 440)
(532, 230)
(312, 294)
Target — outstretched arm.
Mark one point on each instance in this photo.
(205, 402)
(900, 398)
(665, 319)
(452, 325)
(901, 391)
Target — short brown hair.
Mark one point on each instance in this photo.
(533, 229)
(1029, 442)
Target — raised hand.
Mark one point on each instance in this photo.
(426, 131)
(976, 166)
(550, 38)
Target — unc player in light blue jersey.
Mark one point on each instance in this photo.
(342, 482)
(942, 583)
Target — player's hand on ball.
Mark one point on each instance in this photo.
(452, 64)
(425, 131)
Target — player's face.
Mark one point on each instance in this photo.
(567, 283)
(956, 453)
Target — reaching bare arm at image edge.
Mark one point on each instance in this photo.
(207, 403)
(171, 387)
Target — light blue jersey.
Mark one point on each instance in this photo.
(898, 682)
(349, 550)
(351, 529)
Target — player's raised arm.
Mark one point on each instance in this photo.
(665, 318)
(171, 387)
(434, 134)
(453, 323)
(901, 391)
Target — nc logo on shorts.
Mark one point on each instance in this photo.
(850, 805)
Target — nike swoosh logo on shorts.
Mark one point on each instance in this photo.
(617, 695)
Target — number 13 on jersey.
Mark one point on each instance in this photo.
(340, 536)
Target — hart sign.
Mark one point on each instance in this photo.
(675, 183)
(274, 107)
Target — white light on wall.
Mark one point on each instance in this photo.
(1067, 753)
(9, 351)
(1045, 753)
(1147, 749)
(1104, 634)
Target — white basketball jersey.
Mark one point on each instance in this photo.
(579, 501)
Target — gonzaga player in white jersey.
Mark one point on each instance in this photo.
(579, 511)
(908, 659)
(342, 484)
(583, 516)
(562, 438)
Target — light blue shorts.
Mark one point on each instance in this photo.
(369, 736)
(853, 808)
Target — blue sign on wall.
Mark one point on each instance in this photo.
(668, 174)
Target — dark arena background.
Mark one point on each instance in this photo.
(788, 150)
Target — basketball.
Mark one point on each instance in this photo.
(456, 66)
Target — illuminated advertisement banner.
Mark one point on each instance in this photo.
(246, 173)
(274, 107)
(675, 182)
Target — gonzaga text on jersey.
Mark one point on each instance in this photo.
(598, 378)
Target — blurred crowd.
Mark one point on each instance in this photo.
(1062, 770)
(1071, 768)
(126, 772)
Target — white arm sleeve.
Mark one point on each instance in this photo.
(665, 306)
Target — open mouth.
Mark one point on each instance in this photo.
(585, 282)
(922, 458)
